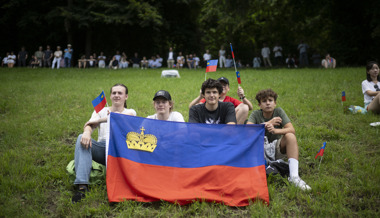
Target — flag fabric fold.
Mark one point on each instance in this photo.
(151, 160)
(321, 150)
(211, 65)
(99, 102)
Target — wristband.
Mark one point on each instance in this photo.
(242, 97)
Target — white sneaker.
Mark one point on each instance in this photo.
(298, 182)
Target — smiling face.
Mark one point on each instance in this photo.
(118, 95)
(162, 105)
(211, 96)
(267, 104)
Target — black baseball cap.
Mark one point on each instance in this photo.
(224, 79)
(163, 93)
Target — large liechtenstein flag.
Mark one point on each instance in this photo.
(151, 160)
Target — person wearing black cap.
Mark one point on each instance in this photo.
(212, 111)
(241, 107)
(163, 105)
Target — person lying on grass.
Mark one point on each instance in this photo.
(212, 111)
(163, 106)
(371, 88)
(241, 107)
(280, 139)
(87, 149)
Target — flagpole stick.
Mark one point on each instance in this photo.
(233, 57)
(320, 163)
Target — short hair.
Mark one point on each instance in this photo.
(369, 67)
(210, 84)
(126, 91)
(264, 94)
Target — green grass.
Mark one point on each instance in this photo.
(42, 111)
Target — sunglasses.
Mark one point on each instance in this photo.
(377, 88)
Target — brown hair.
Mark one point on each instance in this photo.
(264, 94)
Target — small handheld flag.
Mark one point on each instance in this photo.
(238, 77)
(99, 102)
(343, 96)
(211, 65)
(232, 51)
(321, 150)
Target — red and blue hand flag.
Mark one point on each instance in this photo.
(211, 65)
(321, 150)
(343, 96)
(99, 102)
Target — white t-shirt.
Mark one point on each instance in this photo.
(368, 86)
(277, 51)
(206, 57)
(174, 116)
(102, 132)
(170, 56)
(265, 52)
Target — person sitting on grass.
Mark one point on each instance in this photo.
(241, 107)
(87, 149)
(163, 106)
(280, 139)
(371, 88)
(329, 62)
(82, 62)
(212, 111)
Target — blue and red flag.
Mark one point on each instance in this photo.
(321, 150)
(211, 65)
(232, 51)
(99, 102)
(151, 160)
(238, 77)
(343, 96)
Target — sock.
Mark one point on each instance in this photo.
(293, 167)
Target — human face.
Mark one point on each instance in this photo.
(211, 96)
(162, 105)
(118, 96)
(268, 105)
(374, 71)
(226, 88)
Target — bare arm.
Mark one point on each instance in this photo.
(196, 100)
(240, 93)
(372, 93)
(288, 128)
(86, 137)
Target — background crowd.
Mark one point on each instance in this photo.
(172, 59)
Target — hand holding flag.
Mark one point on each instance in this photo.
(99, 102)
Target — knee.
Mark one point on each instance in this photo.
(290, 138)
(242, 109)
(78, 140)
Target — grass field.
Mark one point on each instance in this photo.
(42, 112)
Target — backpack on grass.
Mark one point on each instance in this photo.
(97, 175)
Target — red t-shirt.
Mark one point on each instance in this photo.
(227, 99)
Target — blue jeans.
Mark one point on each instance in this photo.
(67, 62)
(83, 159)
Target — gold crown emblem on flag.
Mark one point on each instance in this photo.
(141, 142)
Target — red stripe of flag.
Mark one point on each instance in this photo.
(232, 51)
(321, 150)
